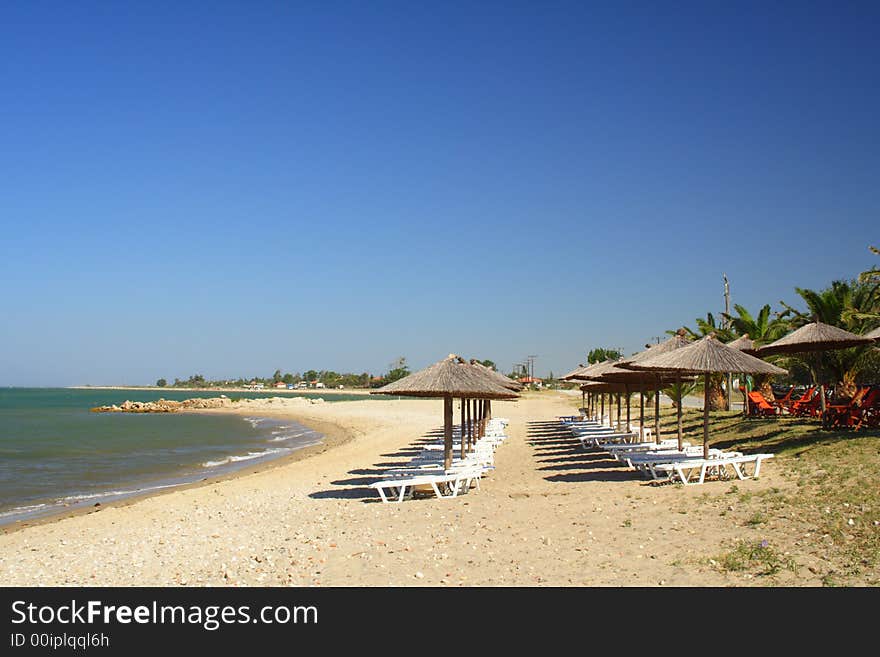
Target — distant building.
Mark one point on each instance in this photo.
(280, 384)
(531, 381)
(318, 384)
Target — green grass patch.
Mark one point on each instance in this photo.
(758, 558)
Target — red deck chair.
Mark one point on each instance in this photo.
(785, 401)
(806, 404)
(868, 413)
(846, 415)
(758, 406)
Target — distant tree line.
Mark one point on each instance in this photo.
(396, 370)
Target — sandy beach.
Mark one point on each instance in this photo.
(551, 514)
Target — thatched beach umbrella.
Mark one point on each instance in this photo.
(707, 356)
(594, 373)
(814, 337)
(677, 341)
(745, 344)
(498, 377)
(446, 379)
(874, 335)
(644, 381)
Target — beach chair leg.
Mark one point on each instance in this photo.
(757, 467)
(382, 494)
(402, 492)
(740, 471)
(679, 473)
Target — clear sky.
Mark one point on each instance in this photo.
(227, 188)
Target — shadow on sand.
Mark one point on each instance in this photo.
(357, 486)
(560, 456)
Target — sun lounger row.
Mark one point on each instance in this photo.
(664, 462)
(426, 471)
(594, 433)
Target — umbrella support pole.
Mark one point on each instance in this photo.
(657, 412)
(642, 412)
(706, 416)
(678, 411)
(447, 432)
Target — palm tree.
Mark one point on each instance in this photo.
(871, 311)
(676, 391)
(761, 330)
(717, 398)
(849, 305)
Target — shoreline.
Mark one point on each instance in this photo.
(549, 514)
(332, 435)
(301, 391)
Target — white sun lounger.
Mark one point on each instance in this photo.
(601, 439)
(456, 480)
(617, 449)
(647, 462)
(686, 470)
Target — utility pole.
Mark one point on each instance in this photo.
(531, 361)
(726, 325)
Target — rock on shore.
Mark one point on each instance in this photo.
(171, 406)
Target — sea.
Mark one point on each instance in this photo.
(56, 455)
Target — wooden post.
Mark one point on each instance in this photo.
(468, 420)
(618, 411)
(447, 431)
(641, 410)
(626, 387)
(602, 410)
(463, 436)
(706, 416)
(657, 412)
(678, 385)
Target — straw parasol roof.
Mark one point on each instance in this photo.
(572, 375)
(677, 341)
(503, 381)
(707, 356)
(649, 380)
(814, 336)
(603, 386)
(596, 370)
(745, 344)
(450, 377)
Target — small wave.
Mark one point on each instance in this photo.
(255, 421)
(112, 493)
(22, 510)
(246, 457)
(281, 436)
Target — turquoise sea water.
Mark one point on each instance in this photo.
(56, 454)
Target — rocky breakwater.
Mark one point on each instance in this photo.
(197, 403)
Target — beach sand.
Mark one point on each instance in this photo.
(551, 514)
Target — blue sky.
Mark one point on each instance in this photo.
(231, 188)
